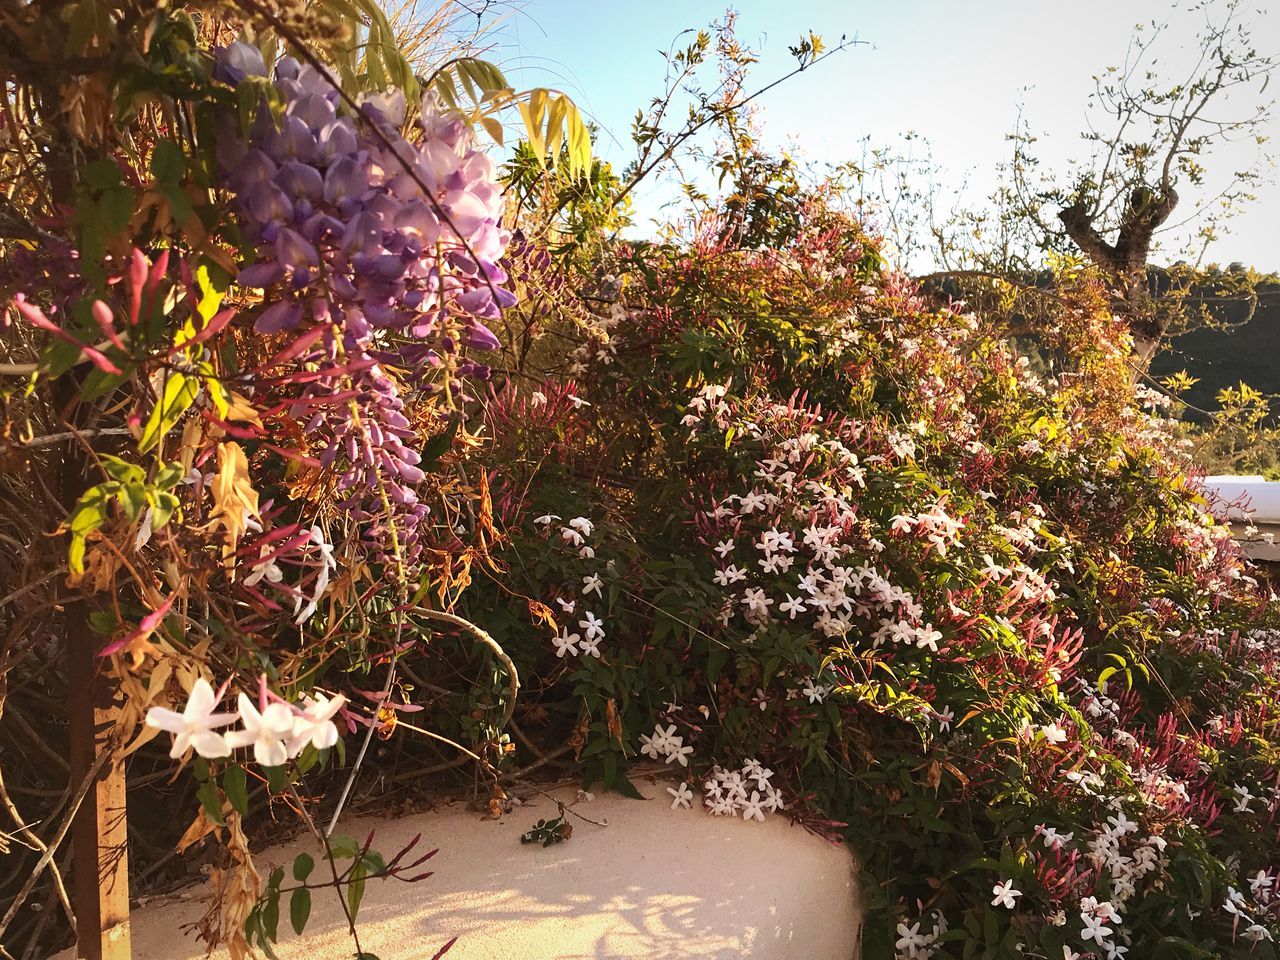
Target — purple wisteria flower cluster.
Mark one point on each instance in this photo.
(381, 256)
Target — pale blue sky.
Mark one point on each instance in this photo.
(954, 72)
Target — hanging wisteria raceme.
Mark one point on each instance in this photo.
(380, 257)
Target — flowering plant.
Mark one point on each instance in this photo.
(975, 619)
(344, 434)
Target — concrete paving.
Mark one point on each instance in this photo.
(656, 883)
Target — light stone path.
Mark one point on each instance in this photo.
(655, 883)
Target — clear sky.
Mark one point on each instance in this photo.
(954, 72)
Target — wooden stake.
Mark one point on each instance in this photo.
(100, 868)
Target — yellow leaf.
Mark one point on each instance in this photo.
(234, 499)
(493, 128)
(241, 409)
(200, 828)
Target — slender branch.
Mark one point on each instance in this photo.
(58, 837)
(715, 115)
(513, 686)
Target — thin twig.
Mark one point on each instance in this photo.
(56, 842)
(513, 686)
(39, 845)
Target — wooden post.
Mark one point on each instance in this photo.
(99, 837)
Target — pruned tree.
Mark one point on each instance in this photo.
(1150, 134)
(1152, 171)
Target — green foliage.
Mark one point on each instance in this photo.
(133, 491)
(548, 832)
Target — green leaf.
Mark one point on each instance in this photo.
(276, 779)
(355, 889)
(122, 470)
(90, 514)
(133, 497)
(179, 202)
(439, 445)
(116, 207)
(101, 174)
(163, 506)
(169, 476)
(271, 915)
(625, 787)
(303, 864)
(343, 847)
(208, 796)
(167, 162)
(103, 622)
(180, 392)
(234, 786)
(299, 909)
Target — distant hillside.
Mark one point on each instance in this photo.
(1223, 357)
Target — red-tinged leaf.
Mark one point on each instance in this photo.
(35, 316)
(445, 949)
(328, 400)
(215, 325)
(157, 271)
(423, 876)
(145, 628)
(279, 533)
(287, 547)
(400, 855)
(261, 597)
(238, 431)
(295, 349)
(296, 456)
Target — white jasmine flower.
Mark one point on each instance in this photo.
(327, 564)
(1094, 929)
(683, 797)
(266, 732)
(1053, 839)
(194, 728)
(264, 569)
(911, 940)
(592, 584)
(679, 752)
(315, 724)
(945, 718)
(791, 606)
(752, 807)
(593, 626)
(1053, 733)
(1005, 895)
(1260, 883)
(814, 691)
(566, 642)
(1243, 797)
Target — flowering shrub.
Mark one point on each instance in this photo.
(341, 443)
(975, 620)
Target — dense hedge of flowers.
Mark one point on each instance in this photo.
(766, 519)
(972, 618)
